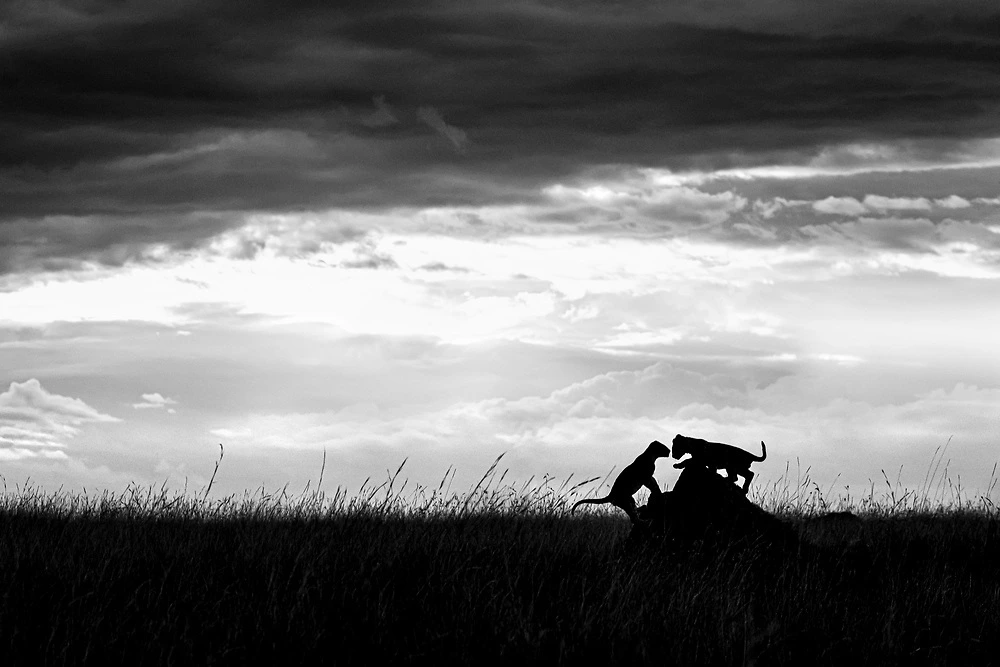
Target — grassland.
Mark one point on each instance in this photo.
(497, 574)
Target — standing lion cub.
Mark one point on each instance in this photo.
(717, 456)
(634, 476)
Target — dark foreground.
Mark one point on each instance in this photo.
(359, 587)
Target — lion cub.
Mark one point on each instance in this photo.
(717, 456)
(635, 475)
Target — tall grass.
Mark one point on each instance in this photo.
(495, 573)
(798, 495)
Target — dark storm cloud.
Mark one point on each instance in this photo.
(159, 111)
(55, 243)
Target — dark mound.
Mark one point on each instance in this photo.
(705, 507)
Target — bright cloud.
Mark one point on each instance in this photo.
(646, 197)
(155, 402)
(849, 206)
(840, 206)
(897, 203)
(953, 201)
(35, 423)
(851, 159)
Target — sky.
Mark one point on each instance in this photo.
(444, 231)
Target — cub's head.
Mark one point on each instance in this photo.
(658, 449)
(681, 445)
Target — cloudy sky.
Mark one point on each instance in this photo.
(449, 229)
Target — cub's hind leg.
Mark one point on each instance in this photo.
(747, 476)
(628, 505)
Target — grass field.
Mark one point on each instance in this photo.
(496, 574)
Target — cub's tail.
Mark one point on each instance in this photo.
(591, 501)
(763, 454)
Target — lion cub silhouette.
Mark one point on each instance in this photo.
(717, 456)
(635, 475)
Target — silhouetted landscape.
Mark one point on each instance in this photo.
(498, 573)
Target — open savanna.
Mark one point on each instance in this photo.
(497, 574)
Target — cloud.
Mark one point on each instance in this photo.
(756, 231)
(139, 137)
(66, 243)
(882, 232)
(953, 201)
(767, 209)
(638, 200)
(154, 402)
(432, 118)
(35, 423)
(442, 267)
(919, 236)
(840, 206)
(877, 204)
(382, 116)
(367, 255)
(897, 203)
(116, 111)
(231, 433)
